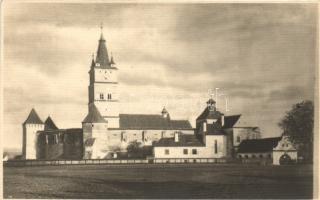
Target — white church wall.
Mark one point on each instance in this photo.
(216, 146)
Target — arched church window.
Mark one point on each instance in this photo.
(101, 96)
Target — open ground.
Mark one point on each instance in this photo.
(159, 181)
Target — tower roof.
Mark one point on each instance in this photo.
(49, 124)
(102, 53)
(33, 118)
(94, 116)
(164, 110)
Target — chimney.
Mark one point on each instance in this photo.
(222, 120)
(176, 137)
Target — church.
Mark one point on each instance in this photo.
(106, 132)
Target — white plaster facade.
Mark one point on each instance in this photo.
(215, 147)
(29, 148)
(284, 148)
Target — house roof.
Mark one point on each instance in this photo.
(49, 124)
(184, 141)
(258, 145)
(94, 116)
(230, 121)
(153, 122)
(33, 118)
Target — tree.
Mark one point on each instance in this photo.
(135, 149)
(298, 124)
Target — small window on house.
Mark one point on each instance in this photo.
(239, 156)
(101, 96)
(253, 156)
(185, 151)
(194, 151)
(238, 139)
(246, 156)
(166, 151)
(269, 155)
(261, 156)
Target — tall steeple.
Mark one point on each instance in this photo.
(102, 59)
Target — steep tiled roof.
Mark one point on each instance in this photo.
(94, 116)
(184, 141)
(207, 114)
(33, 118)
(155, 122)
(49, 124)
(258, 145)
(230, 121)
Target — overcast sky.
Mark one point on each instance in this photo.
(263, 56)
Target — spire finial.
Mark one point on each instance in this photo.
(101, 29)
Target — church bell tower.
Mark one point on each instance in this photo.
(103, 87)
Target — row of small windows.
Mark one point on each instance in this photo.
(108, 95)
(185, 151)
(254, 156)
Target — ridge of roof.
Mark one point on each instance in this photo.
(151, 121)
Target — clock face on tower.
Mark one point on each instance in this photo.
(106, 76)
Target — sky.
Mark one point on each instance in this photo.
(261, 56)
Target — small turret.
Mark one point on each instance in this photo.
(112, 63)
(165, 113)
(211, 104)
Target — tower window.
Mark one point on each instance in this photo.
(109, 96)
(215, 146)
(166, 151)
(101, 96)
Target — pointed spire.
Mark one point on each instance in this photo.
(92, 62)
(111, 60)
(101, 34)
(33, 118)
(49, 124)
(102, 58)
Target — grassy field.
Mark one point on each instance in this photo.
(156, 181)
